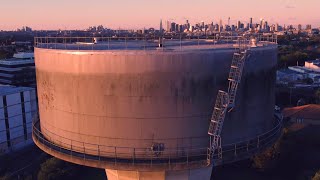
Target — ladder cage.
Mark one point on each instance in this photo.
(225, 100)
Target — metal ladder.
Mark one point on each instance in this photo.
(226, 100)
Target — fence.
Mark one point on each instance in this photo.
(144, 43)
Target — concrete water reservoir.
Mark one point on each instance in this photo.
(139, 111)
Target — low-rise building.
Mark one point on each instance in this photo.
(313, 65)
(310, 70)
(307, 114)
(18, 105)
(287, 75)
(18, 71)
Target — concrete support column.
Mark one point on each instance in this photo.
(192, 174)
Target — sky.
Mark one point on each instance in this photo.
(137, 14)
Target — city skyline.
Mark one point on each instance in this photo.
(135, 15)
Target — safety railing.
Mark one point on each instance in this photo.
(134, 157)
(144, 43)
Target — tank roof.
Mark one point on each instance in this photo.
(104, 43)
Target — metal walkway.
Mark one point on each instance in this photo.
(98, 156)
(225, 101)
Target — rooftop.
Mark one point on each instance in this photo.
(315, 62)
(141, 43)
(19, 58)
(288, 71)
(24, 55)
(310, 111)
(14, 61)
(6, 89)
(301, 69)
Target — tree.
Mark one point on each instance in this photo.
(54, 169)
(308, 81)
(316, 176)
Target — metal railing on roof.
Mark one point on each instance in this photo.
(144, 43)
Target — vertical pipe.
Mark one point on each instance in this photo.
(99, 152)
(6, 119)
(180, 42)
(108, 43)
(198, 40)
(115, 156)
(188, 156)
(169, 160)
(133, 155)
(24, 121)
(71, 148)
(125, 40)
(78, 43)
(151, 158)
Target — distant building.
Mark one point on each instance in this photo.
(173, 27)
(313, 65)
(308, 27)
(168, 26)
(297, 73)
(285, 76)
(22, 43)
(308, 73)
(18, 71)
(308, 114)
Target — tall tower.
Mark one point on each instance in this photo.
(161, 28)
(220, 25)
(239, 25)
(168, 26)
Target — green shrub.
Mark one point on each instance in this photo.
(316, 176)
(267, 159)
(53, 169)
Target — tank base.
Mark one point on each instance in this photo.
(192, 174)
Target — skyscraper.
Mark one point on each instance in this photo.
(161, 28)
(173, 27)
(220, 25)
(308, 27)
(239, 25)
(168, 26)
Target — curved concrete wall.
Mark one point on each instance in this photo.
(138, 98)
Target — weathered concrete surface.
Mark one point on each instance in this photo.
(192, 174)
(137, 98)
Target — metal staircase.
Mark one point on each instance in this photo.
(226, 100)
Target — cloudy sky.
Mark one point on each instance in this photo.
(134, 14)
